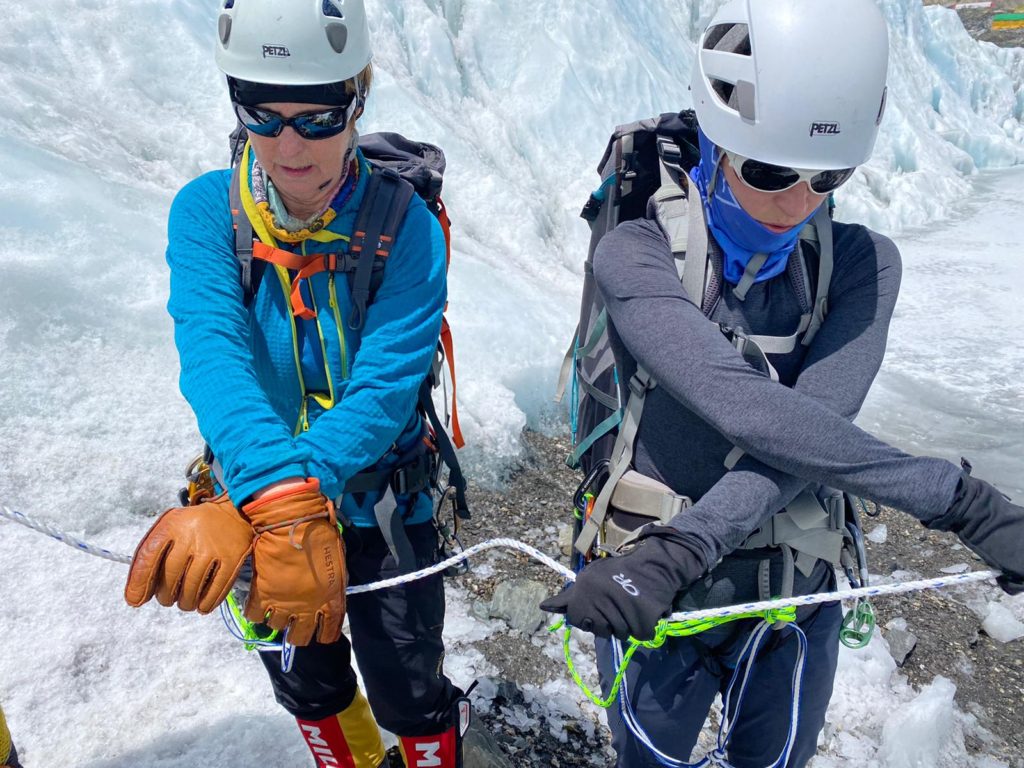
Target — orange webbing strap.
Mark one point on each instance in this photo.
(303, 266)
(446, 331)
(449, 353)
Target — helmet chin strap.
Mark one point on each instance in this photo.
(715, 172)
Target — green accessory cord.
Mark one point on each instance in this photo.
(664, 630)
(247, 627)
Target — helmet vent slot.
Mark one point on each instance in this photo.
(224, 27)
(330, 8)
(723, 89)
(728, 38)
(337, 36)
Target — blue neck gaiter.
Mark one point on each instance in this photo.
(740, 235)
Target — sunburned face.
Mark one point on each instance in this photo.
(778, 211)
(305, 172)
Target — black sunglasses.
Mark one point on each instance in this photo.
(309, 125)
(765, 177)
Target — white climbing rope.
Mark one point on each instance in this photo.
(502, 543)
(63, 538)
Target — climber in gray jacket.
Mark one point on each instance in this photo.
(788, 95)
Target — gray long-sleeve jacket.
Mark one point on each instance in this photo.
(795, 432)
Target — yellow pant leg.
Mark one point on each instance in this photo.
(5, 739)
(349, 738)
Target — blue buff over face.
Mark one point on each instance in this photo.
(740, 235)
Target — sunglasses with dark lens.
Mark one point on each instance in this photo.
(765, 177)
(309, 125)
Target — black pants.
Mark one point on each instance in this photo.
(396, 637)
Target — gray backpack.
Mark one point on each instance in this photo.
(644, 172)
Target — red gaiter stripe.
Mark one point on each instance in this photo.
(327, 743)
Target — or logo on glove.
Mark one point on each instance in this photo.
(627, 595)
(192, 555)
(626, 584)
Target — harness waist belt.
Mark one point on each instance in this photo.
(638, 496)
(411, 477)
(805, 525)
(812, 530)
(641, 495)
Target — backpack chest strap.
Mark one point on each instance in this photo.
(304, 266)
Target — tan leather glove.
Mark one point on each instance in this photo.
(299, 574)
(191, 556)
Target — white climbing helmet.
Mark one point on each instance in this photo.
(796, 83)
(292, 42)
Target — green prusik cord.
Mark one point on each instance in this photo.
(664, 630)
(247, 627)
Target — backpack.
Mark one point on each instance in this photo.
(400, 168)
(644, 172)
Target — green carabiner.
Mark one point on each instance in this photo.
(858, 625)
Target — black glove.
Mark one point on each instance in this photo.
(628, 594)
(989, 524)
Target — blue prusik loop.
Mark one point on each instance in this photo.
(742, 672)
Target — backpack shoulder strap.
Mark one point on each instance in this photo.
(621, 459)
(682, 220)
(820, 231)
(384, 204)
(251, 270)
(669, 204)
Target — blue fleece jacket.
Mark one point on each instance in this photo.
(240, 370)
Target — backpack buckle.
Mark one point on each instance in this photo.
(734, 336)
(669, 152)
(410, 478)
(591, 209)
(638, 385)
(399, 481)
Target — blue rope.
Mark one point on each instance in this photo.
(744, 664)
